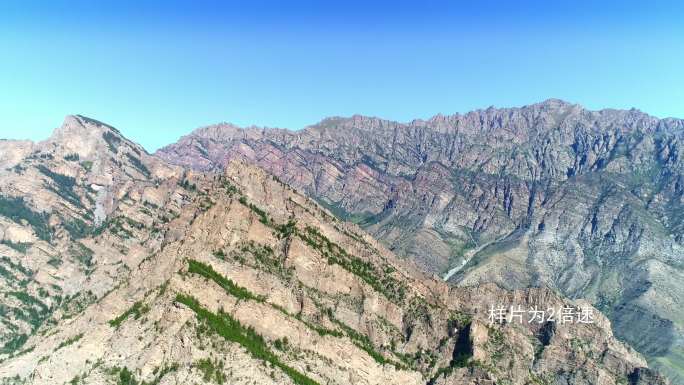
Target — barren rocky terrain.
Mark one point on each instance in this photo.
(120, 268)
(588, 203)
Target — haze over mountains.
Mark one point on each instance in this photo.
(124, 266)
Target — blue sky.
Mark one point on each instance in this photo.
(156, 70)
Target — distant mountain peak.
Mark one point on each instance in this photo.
(87, 137)
(77, 126)
(554, 102)
(77, 123)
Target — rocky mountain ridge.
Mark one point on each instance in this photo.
(132, 271)
(586, 202)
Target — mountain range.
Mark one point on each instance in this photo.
(249, 255)
(588, 203)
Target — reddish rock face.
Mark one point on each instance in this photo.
(587, 202)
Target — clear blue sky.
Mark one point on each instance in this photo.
(158, 69)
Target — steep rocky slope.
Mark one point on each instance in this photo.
(54, 196)
(176, 277)
(587, 202)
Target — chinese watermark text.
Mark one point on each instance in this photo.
(562, 315)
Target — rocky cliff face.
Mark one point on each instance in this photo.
(586, 202)
(120, 269)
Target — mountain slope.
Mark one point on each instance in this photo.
(587, 202)
(236, 278)
(54, 197)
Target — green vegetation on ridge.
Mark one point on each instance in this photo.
(228, 285)
(137, 310)
(17, 210)
(232, 330)
(382, 281)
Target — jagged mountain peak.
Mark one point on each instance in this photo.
(78, 125)
(523, 121)
(78, 175)
(556, 103)
(226, 131)
(440, 120)
(362, 123)
(88, 137)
